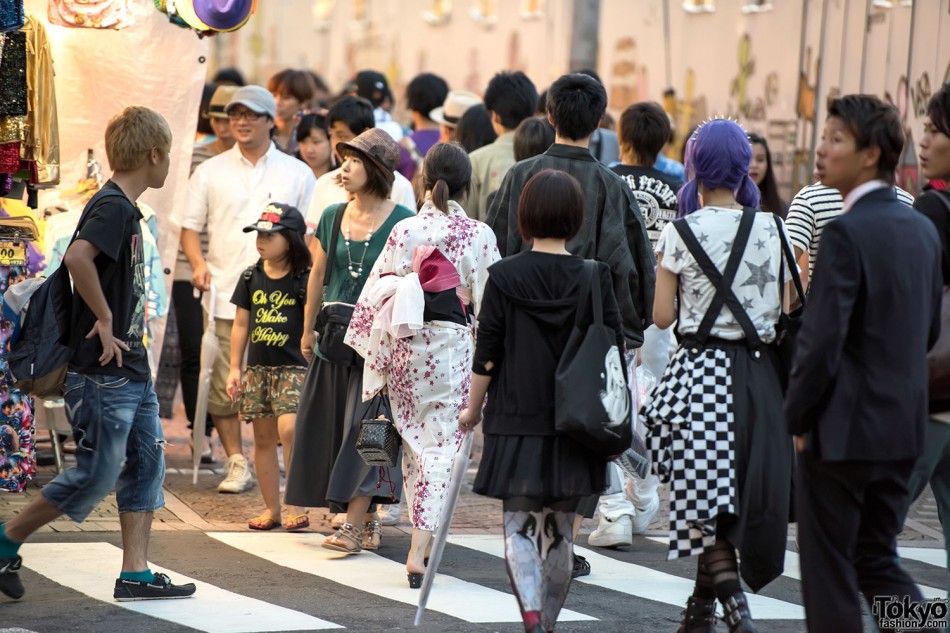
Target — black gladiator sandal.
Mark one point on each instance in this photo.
(699, 617)
(737, 615)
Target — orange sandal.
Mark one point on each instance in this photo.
(262, 523)
(299, 522)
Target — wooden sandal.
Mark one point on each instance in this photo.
(262, 523)
(347, 539)
(298, 522)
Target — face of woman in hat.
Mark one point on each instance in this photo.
(353, 176)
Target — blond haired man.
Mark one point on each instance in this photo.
(110, 399)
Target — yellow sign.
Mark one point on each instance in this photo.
(11, 255)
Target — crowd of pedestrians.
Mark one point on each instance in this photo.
(443, 266)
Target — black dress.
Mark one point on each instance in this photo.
(527, 315)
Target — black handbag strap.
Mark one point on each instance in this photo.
(590, 290)
(722, 281)
(334, 240)
(792, 267)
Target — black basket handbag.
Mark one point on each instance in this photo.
(378, 442)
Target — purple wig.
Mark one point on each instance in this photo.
(718, 156)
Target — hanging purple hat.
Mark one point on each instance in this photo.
(224, 15)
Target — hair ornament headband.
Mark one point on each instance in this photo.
(718, 118)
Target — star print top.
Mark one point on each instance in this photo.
(756, 284)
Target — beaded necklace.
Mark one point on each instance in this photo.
(356, 268)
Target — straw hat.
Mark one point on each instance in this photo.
(456, 103)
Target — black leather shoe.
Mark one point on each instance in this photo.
(10, 577)
(581, 567)
(699, 617)
(737, 615)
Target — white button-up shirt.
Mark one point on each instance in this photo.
(227, 193)
(860, 191)
(329, 191)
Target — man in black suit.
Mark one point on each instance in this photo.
(857, 397)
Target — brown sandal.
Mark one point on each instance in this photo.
(347, 539)
(372, 535)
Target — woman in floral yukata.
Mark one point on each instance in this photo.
(414, 326)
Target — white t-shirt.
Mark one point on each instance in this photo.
(227, 193)
(812, 209)
(756, 284)
(328, 191)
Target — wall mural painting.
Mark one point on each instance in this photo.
(628, 77)
(687, 112)
(806, 107)
(745, 106)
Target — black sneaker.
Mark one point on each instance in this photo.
(159, 589)
(10, 577)
(581, 567)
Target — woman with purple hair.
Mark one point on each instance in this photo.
(716, 430)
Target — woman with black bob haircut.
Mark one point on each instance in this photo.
(529, 310)
(432, 272)
(348, 239)
(474, 129)
(534, 136)
(762, 174)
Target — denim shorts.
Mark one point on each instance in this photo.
(119, 444)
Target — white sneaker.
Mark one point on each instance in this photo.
(388, 514)
(239, 477)
(645, 496)
(609, 533)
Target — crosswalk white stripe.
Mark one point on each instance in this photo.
(930, 555)
(923, 554)
(638, 580)
(90, 568)
(380, 576)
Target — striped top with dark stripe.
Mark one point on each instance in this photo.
(815, 206)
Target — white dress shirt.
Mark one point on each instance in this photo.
(329, 191)
(227, 193)
(860, 191)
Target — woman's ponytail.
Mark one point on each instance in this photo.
(748, 194)
(440, 195)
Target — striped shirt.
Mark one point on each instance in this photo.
(812, 209)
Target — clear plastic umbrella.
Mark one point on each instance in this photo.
(209, 350)
(462, 459)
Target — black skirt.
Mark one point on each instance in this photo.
(326, 467)
(547, 467)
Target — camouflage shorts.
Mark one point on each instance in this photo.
(271, 392)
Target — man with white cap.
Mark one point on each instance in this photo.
(450, 113)
(225, 193)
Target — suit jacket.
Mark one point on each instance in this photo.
(614, 231)
(858, 384)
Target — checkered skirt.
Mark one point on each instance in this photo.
(691, 440)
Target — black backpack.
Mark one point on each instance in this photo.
(40, 355)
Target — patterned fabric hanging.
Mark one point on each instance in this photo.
(11, 15)
(95, 14)
(13, 74)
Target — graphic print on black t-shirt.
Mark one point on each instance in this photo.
(655, 193)
(113, 226)
(275, 323)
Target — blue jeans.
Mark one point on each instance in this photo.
(119, 444)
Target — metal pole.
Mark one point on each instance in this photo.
(668, 43)
(864, 46)
(819, 84)
(844, 43)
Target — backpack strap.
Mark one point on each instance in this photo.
(722, 281)
(792, 265)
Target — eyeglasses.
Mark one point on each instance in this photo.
(244, 114)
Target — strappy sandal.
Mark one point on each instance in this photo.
(347, 539)
(372, 535)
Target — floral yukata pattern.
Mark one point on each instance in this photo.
(428, 373)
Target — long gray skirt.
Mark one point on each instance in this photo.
(326, 471)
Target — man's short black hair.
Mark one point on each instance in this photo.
(576, 103)
(645, 129)
(425, 93)
(872, 123)
(355, 112)
(512, 97)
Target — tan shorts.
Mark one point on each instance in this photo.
(218, 401)
(270, 392)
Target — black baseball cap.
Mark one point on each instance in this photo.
(372, 86)
(279, 217)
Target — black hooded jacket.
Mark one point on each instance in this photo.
(527, 315)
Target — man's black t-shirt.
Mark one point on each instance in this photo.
(655, 193)
(113, 227)
(275, 325)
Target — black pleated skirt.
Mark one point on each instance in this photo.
(547, 467)
(326, 471)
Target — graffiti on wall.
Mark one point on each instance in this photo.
(746, 106)
(628, 77)
(687, 112)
